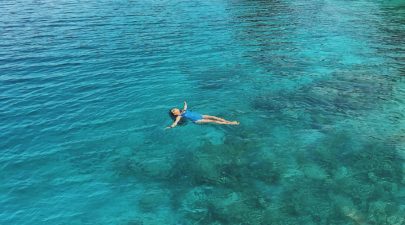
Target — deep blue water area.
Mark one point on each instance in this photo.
(318, 86)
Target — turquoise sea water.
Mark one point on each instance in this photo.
(318, 86)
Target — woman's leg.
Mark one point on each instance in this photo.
(216, 121)
(214, 118)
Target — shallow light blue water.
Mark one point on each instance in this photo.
(318, 87)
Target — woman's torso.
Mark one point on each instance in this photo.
(193, 116)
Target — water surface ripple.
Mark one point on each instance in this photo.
(318, 87)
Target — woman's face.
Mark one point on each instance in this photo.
(176, 111)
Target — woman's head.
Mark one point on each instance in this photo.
(175, 112)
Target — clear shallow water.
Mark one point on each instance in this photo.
(318, 87)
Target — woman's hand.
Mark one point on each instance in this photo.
(175, 123)
(171, 126)
(185, 106)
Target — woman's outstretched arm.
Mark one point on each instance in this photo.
(185, 106)
(174, 123)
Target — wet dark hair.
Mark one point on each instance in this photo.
(182, 121)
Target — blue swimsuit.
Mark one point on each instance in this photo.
(193, 116)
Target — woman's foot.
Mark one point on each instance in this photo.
(234, 123)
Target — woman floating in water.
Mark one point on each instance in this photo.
(178, 114)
